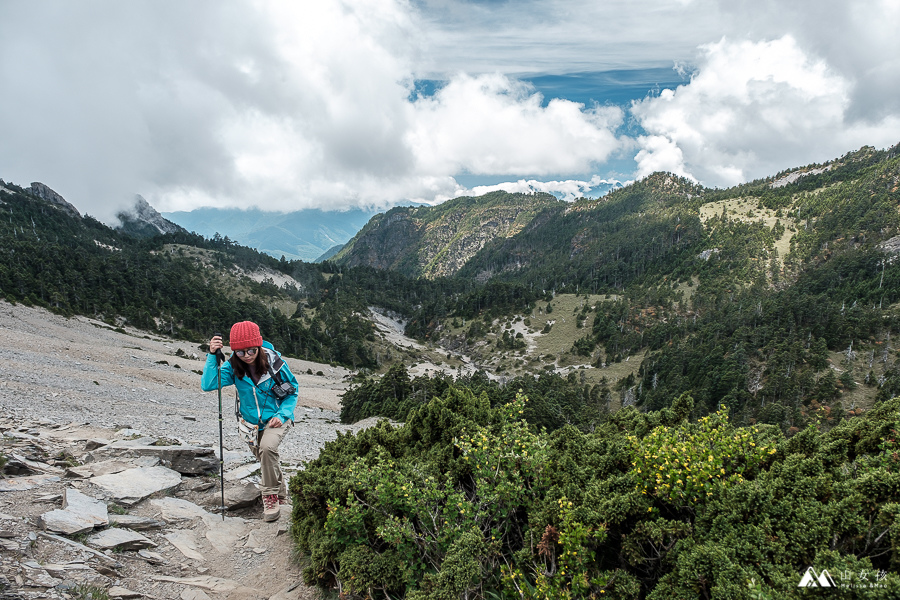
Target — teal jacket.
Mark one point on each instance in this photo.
(257, 404)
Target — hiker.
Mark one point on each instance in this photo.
(266, 397)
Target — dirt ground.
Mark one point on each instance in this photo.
(70, 380)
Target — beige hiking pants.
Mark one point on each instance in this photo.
(267, 455)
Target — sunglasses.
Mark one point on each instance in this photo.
(248, 352)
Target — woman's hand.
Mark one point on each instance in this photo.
(274, 422)
(215, 344)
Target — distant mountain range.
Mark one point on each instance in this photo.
(307, 235)
(779, 298)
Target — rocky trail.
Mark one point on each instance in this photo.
(111, 484)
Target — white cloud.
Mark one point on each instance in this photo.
(659, 153)
(751, 109)
(491, 124)
(569, 189)
(277, 104)
(285, 104)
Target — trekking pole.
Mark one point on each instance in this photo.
(220, 358)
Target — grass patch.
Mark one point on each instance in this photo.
(86, 591)
(116, 509)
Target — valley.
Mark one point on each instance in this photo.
(542, 357)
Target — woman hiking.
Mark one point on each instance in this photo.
(267, 395)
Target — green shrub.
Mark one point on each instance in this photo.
(686, 465)
(470, 501)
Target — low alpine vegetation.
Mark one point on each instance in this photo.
(471, 501)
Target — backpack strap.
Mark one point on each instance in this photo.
(276, 376)
(275, 364)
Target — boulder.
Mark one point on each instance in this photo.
(240, 496)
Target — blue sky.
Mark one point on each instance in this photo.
(336, 104)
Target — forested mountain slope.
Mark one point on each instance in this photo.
(179, 283)
(778, 298)
(436, 241)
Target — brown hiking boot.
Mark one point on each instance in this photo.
(271, 509)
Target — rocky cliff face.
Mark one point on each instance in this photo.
(144, 221)
(438, 241)
(39, 190)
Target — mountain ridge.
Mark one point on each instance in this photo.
(704, 289)
(437, 241)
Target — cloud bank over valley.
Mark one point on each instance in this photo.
(286, 106)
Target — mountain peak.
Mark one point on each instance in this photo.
(145, 221)
(671, 184)
(43, 191)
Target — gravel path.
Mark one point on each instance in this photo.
(81, 370)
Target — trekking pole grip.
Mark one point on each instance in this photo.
(220, 356)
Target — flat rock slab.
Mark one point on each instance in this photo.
(95, 443)
(213, 584)
(18, 435)
(137, 441)
(40, 467)
(119, 593)
(84, 505)
(255, 541)
(136, 522)
(194, 594)
(65, 522)
(133, 485)
(80, 514)
(104, 467)
(36, 576)
(61, 571)
(241, 472)
(235, 458)
(118, 538)
(188, 460)
(224, 534)
(20, 484)
(174, 510)
(186, 542)
(154, 558)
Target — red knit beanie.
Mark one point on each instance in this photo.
(245, 335)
